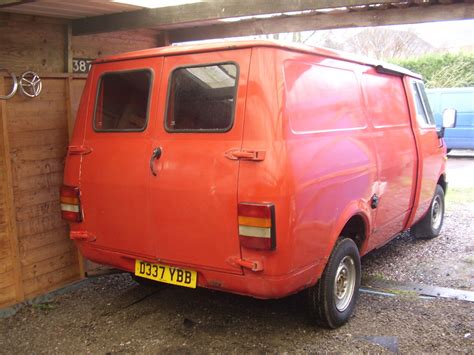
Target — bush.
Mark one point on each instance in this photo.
(442, 70)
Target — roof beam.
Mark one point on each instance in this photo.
(295, 23)
(10, 3)
(203, 12)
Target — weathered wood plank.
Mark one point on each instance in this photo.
(39, 240)
(326, 21)
(50, 151)
(100, 45)
(24, 47)
(39, 224)
(40, 107)
(6, 265)
(32, 185)
(50, 281)
(9, 205)
(25, 213)
(50, 265)
(26, 168)
(38, 120)
(203, 12)
(47, 251)
(7, 296)
(7, 279)
(39, 138)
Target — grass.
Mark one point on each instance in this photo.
(460, 195)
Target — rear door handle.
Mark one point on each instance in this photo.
(253, 155)
(155, 155)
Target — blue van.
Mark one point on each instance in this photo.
(461, 99)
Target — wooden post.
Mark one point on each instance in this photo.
(10, 212)
(163, 39)
(68, 49)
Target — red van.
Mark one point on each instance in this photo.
(255, 168)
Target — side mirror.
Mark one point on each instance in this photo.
(449, 120)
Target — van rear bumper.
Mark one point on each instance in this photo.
(253, 284)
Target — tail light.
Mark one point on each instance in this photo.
(257, 226)
(70, 204)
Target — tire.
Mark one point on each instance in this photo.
(329, 307)
(430, 225)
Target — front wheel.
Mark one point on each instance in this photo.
(332, 300)
(430, 225)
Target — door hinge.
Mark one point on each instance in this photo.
(78, 150)
(252, 155)
(82, 235)
(253, 265)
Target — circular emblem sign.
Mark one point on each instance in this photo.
(30, 84)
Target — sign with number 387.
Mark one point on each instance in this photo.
(81, 65)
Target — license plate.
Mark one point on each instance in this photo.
(167, 274)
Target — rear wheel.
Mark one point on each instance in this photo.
(332, 300)
(430, 225)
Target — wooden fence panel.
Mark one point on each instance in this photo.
(36, 254)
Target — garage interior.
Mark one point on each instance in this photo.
(57, 39)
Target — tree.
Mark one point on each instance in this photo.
(442, 70)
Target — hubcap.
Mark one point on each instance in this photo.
(436, 212)
(344, 283)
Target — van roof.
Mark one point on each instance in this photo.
(382, 67)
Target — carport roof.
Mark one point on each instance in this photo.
(205, 19)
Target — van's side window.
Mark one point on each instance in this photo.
(122, 101)
(202, 98)
(424, 115)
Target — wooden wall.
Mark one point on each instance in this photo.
(36, 254)
(38, 43)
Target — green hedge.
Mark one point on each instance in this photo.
(442, 70)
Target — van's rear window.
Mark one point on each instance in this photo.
(202, 98)
(122, 101)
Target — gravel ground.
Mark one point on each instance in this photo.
(112, 314)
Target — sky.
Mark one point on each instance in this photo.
(443, 34)
(439, 34)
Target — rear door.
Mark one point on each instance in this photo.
(115, 174)
(194, 185)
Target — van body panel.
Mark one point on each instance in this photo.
(339, 140)
(394, 143)
(319, 127)
(194, 193)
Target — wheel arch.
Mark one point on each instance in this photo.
(353, 223)
(443, 183)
